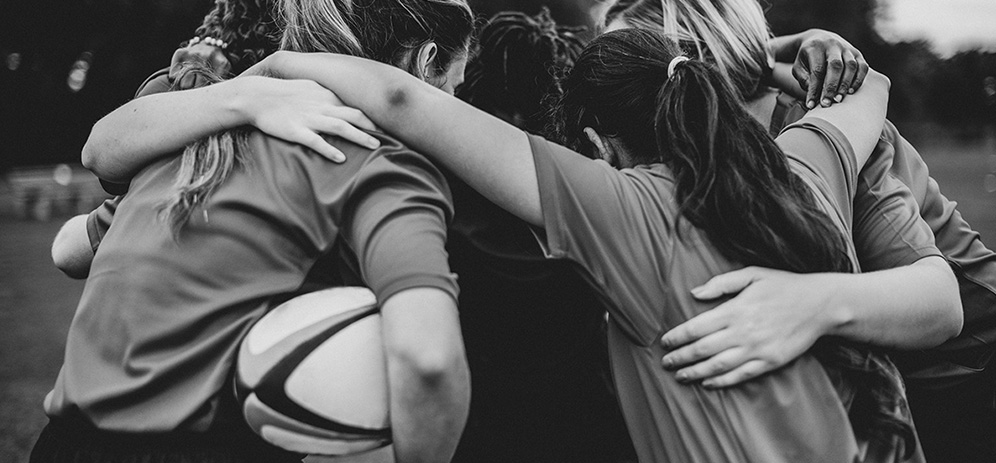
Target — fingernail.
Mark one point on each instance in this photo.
(826, 102)
(667, 363)
(682, 377)
(708, 384)
(373, 142)
(810, 104)
(850, 90)
(838, 98)
(697, 291)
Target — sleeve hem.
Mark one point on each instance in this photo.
(553, 244)
(446, 284)
(92, 232)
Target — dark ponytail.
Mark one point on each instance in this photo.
(732, 181)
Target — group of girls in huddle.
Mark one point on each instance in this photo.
(672, 175)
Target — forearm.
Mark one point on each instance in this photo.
(781, 75)
(148, 128)
(861, 120)
(489, 154)
(428, 375)
(912, 307)
(785, 48)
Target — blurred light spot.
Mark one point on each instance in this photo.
(989, 183)
(13, 61)
(77, 75)
(62, 174)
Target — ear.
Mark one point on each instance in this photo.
(425, 58)
(604, 148)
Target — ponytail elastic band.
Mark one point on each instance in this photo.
(674, 63)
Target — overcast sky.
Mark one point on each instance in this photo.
(951, 25)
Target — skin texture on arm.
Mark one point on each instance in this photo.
(148, 128)
(862, 119)
(428, 374)
(71, 251)
(491, 155)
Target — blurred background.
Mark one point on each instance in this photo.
(63, 65)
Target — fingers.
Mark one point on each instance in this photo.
(692, 330)
(697, 351)
(344, 129)
(817, 66)
(317, 142)
(176, 62)
(719, 364)
(727, 283)
(832, 77)
(189, 81)
(847, 78)
(859, 76)
(748, 370)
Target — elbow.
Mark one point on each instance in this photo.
(433, 365)
(94, 159)
(64, 261)
(950, 313)
(90, 155)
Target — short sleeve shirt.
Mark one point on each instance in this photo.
(161, 317)
(893, 188)
(619, 226)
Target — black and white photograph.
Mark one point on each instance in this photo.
(498, 231)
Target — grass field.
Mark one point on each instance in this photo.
(37, 302)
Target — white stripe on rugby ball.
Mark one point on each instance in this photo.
(305, 444)
(303, 311)
(350, 367)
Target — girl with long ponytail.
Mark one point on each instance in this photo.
(688, 187)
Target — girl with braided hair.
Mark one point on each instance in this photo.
(235, 35)
(515, 72)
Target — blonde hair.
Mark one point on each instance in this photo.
(385, 30)
(318, 26)
(733, 34)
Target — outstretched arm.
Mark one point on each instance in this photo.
(148, 128)
(489, 154)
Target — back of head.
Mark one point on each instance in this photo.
(247, 26)
(731, 180)
(517, 64)
(385, 30)
(388, 31)
(733, 34)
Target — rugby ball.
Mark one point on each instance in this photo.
(311, 376)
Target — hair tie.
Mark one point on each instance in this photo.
(674, 63)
